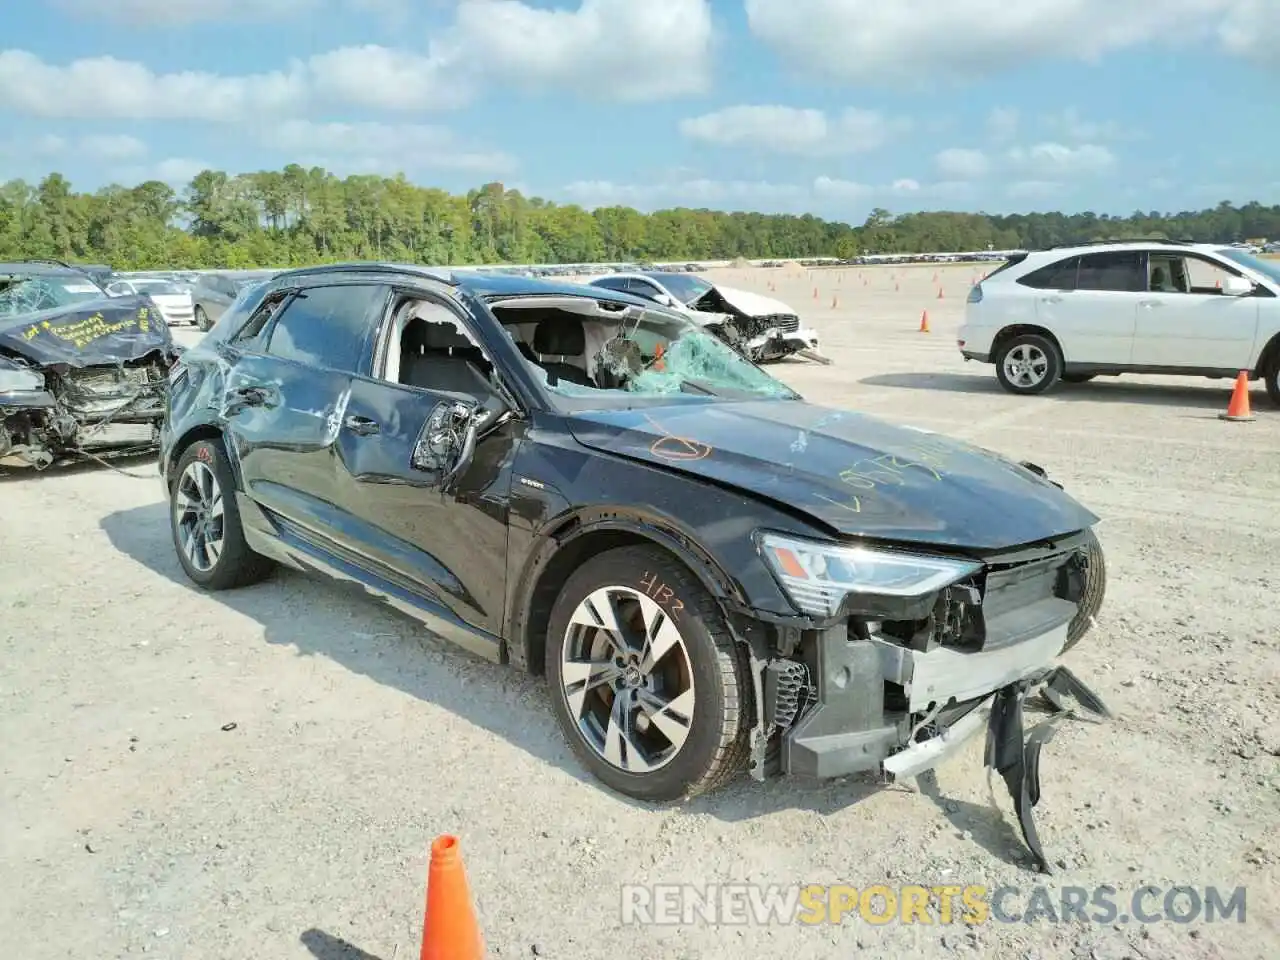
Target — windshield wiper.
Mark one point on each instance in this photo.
(699, 386)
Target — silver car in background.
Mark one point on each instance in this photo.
(173, 300)
(212, 293)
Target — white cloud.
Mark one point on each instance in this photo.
(104, 87)
(906, 186)
(113, 147)
(956, 163)
(875, 41)
(606, 49)
(147, 13)
(380, 78)
(1071, 126)
(793, 130)
(1055, 160)
(384, 147)
(1252, 29)
(1002, 123)
(175, 171)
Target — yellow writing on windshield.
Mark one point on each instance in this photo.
(84, 332)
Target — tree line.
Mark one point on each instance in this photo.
(299, 216)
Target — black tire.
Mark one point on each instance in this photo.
(1036, 344)
(202, 319)
(716, 748)
(1272, 380)
(1077, 377)
(1095, 592)
(235, 565)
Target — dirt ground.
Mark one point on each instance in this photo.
(258, 774)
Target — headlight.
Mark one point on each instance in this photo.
(817, 576)
(15, 381)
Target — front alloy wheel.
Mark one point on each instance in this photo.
(648, 683)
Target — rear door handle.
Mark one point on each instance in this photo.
(1050, 299)
(1151, 303)
(361, 426)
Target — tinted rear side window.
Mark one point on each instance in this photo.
(1056, 276)
(327, 326)
(1120, 271)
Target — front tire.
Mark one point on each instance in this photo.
(202, 320)
(657, 709)
(205, 521)
(1028, 364)
(1095, 592)
(1272, 381)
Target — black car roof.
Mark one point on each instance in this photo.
(42, 268)
(477, 283)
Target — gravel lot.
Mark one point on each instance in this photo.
(259, 774)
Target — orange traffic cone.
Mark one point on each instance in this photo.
(924, 321)
(1238, 408)
(449, 929)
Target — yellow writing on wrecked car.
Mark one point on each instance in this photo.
(84, 332)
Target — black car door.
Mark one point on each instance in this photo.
(440, 536)
(285, 396)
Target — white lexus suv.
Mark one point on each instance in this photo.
(1155, 307)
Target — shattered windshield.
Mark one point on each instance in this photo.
(20, 295)
(685, 287)
(648, 354)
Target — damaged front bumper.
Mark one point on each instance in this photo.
(897, 698)
(775, 343)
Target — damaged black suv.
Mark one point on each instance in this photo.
(714, 574)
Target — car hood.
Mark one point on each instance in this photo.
(752, 304)
(854, 474)
(94, 333)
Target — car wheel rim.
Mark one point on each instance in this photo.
(1025, 365)
(627, 680)
(198, 516)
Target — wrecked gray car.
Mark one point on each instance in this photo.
(82, 375)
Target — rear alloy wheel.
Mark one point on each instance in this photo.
(201, 319)
(206, 522)
(649, 685)
(1028, 363)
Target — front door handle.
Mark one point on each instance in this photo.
(1050, 299)
(1151, 303)
(361, 426)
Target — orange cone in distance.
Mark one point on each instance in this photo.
(449, 929)
(1238, 408)
(924, 321)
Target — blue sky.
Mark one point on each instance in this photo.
(830, 107)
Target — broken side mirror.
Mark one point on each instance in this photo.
(442, 434)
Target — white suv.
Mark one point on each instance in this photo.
(1073, 313)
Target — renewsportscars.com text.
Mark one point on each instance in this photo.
(812, 904)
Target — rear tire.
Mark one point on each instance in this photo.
(1028, 364)
(1095, 592)
(611, 713)
(205, 521)
(202, 319)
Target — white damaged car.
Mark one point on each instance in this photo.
(761, 328)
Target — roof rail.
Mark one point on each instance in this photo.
(57, 263)
(443, 274)
(1101, 243)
